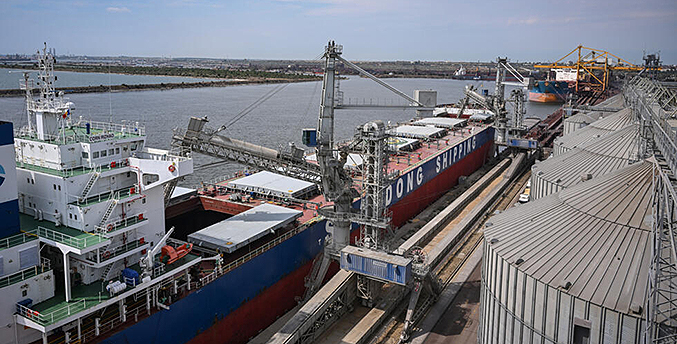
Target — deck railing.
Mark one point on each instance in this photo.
(106, 196)
(50, 234)
(73, 136)
(25, 274)
(177, 154)
(72, 171)
(55, 315)
(119, 224)
(116, 251)
(17, 239)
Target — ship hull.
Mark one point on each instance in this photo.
(544, 97)
(228, 311)
(549, 92)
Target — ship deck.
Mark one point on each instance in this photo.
(79, 133)
(61, 234)
(402, 161)
(67, 172)
(406, 160)
(84, 297)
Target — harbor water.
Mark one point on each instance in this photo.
(274, 123)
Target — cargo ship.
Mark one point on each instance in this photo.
(236, 274)
(549, 91)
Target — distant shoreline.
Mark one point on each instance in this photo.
(158, 86)
(116, 73)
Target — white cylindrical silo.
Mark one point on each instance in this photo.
(593, 132)
(611, 152)
(571, 267)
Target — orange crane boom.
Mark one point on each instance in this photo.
(593, 67)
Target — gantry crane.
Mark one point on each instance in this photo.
(336, 184)
(593, 68)
(496, 103)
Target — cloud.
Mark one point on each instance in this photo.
(341, 7)
(118, 9)
(541, 20)
(524, 21)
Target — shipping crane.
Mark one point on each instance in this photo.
(336, 184)
(592, 68)
(496, 103)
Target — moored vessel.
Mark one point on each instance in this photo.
(549, 91)
(111, 274)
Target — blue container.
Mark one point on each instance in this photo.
(130, 277)
(88, 127)
(377, 264)
(309, 137)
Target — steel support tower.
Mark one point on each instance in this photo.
(654, 104)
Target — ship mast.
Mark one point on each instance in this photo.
(50, 109)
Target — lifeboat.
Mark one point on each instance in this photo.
(170, 254)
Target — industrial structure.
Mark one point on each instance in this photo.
(591, 114)
(377, 187)
(83, 221)
(572, 267)
(591, 68)
(611, 152)
(497, 102)
(298, 218)
(593, 258)
(594, 131)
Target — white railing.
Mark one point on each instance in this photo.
(135, 129)
(160, 154)
(115, 225)
(209, 278)
(71, 171)
(72, 136)
(55, 315)
(16, 239)
(50, 234)
(159, 269)
(118, 250)
(26, 273)
(45, 264)
(25, 133)
(642, 93)
(102, 197)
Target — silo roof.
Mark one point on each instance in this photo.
(595, 236)
(586, 117)
(609, 153)
(616, 101)
(596, 129)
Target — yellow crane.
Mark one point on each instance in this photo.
(593, 67)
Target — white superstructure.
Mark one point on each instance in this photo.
(92, 195)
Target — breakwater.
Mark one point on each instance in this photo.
(161, 86)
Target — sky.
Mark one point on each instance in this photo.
(431, 30)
